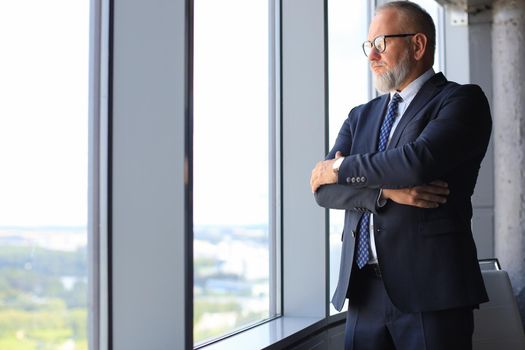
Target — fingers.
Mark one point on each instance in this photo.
(429, 197)
(338, 154)
(432, 189)
(426, 196)
(323, 174)
(316, 177)
(425, 204)
(313, 179)
(314, 185)
(439, 183)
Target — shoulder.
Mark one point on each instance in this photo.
(360, 114)
(448, 88)
(364, 109)
(467, 100)
(452, 89)
(469, 94)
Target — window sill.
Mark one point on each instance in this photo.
(276, 334)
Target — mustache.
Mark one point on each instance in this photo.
(377, 64)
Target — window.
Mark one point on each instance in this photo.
(231, 166)
(349, 86)
(44, 156)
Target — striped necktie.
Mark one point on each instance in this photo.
(363, 238)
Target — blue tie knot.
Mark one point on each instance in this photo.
(396, 99)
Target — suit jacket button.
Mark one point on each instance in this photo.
(353, 179)
(358, 179)
(363, 179)
(348, 180)
(353, 233)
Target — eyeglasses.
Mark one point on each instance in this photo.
(379, 43)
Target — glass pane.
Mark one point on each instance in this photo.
(349, 86)
(43, 182)
(231, 166)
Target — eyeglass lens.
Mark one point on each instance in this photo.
(378, 43)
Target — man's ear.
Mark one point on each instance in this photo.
(419, 44)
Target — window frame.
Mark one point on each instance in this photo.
(141, 59)
(274, 176)
(121, 89)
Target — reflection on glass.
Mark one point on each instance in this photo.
(43, 182)
(231, 157)
(348, 77)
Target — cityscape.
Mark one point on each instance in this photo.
(231, 278)
(43, 288)
(43, 284)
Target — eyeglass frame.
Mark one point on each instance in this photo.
(373, 42)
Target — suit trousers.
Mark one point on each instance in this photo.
(374, 323)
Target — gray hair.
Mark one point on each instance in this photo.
(415, 16)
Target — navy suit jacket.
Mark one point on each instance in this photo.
(427, 257)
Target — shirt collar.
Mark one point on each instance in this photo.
(412, 89)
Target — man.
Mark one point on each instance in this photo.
(404, 167)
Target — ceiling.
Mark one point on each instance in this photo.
(469, 5)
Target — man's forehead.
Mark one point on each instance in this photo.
(386, 21)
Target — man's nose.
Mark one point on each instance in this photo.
(374, 55)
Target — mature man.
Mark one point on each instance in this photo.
(404, 167)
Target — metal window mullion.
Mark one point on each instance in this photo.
(372, 4)
(93, 175)
(98, 144)
(274, 159)
(441, 32)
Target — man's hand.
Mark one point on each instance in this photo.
(324, 173)
(425, 196)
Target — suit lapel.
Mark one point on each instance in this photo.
(378, 113)
(425, 94)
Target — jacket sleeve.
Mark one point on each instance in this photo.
(458, 133)
(337, 196)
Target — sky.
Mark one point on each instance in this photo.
(44, 107)
(231, 139)
(43, 112)
(231, 101)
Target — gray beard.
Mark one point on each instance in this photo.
(392, 79)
